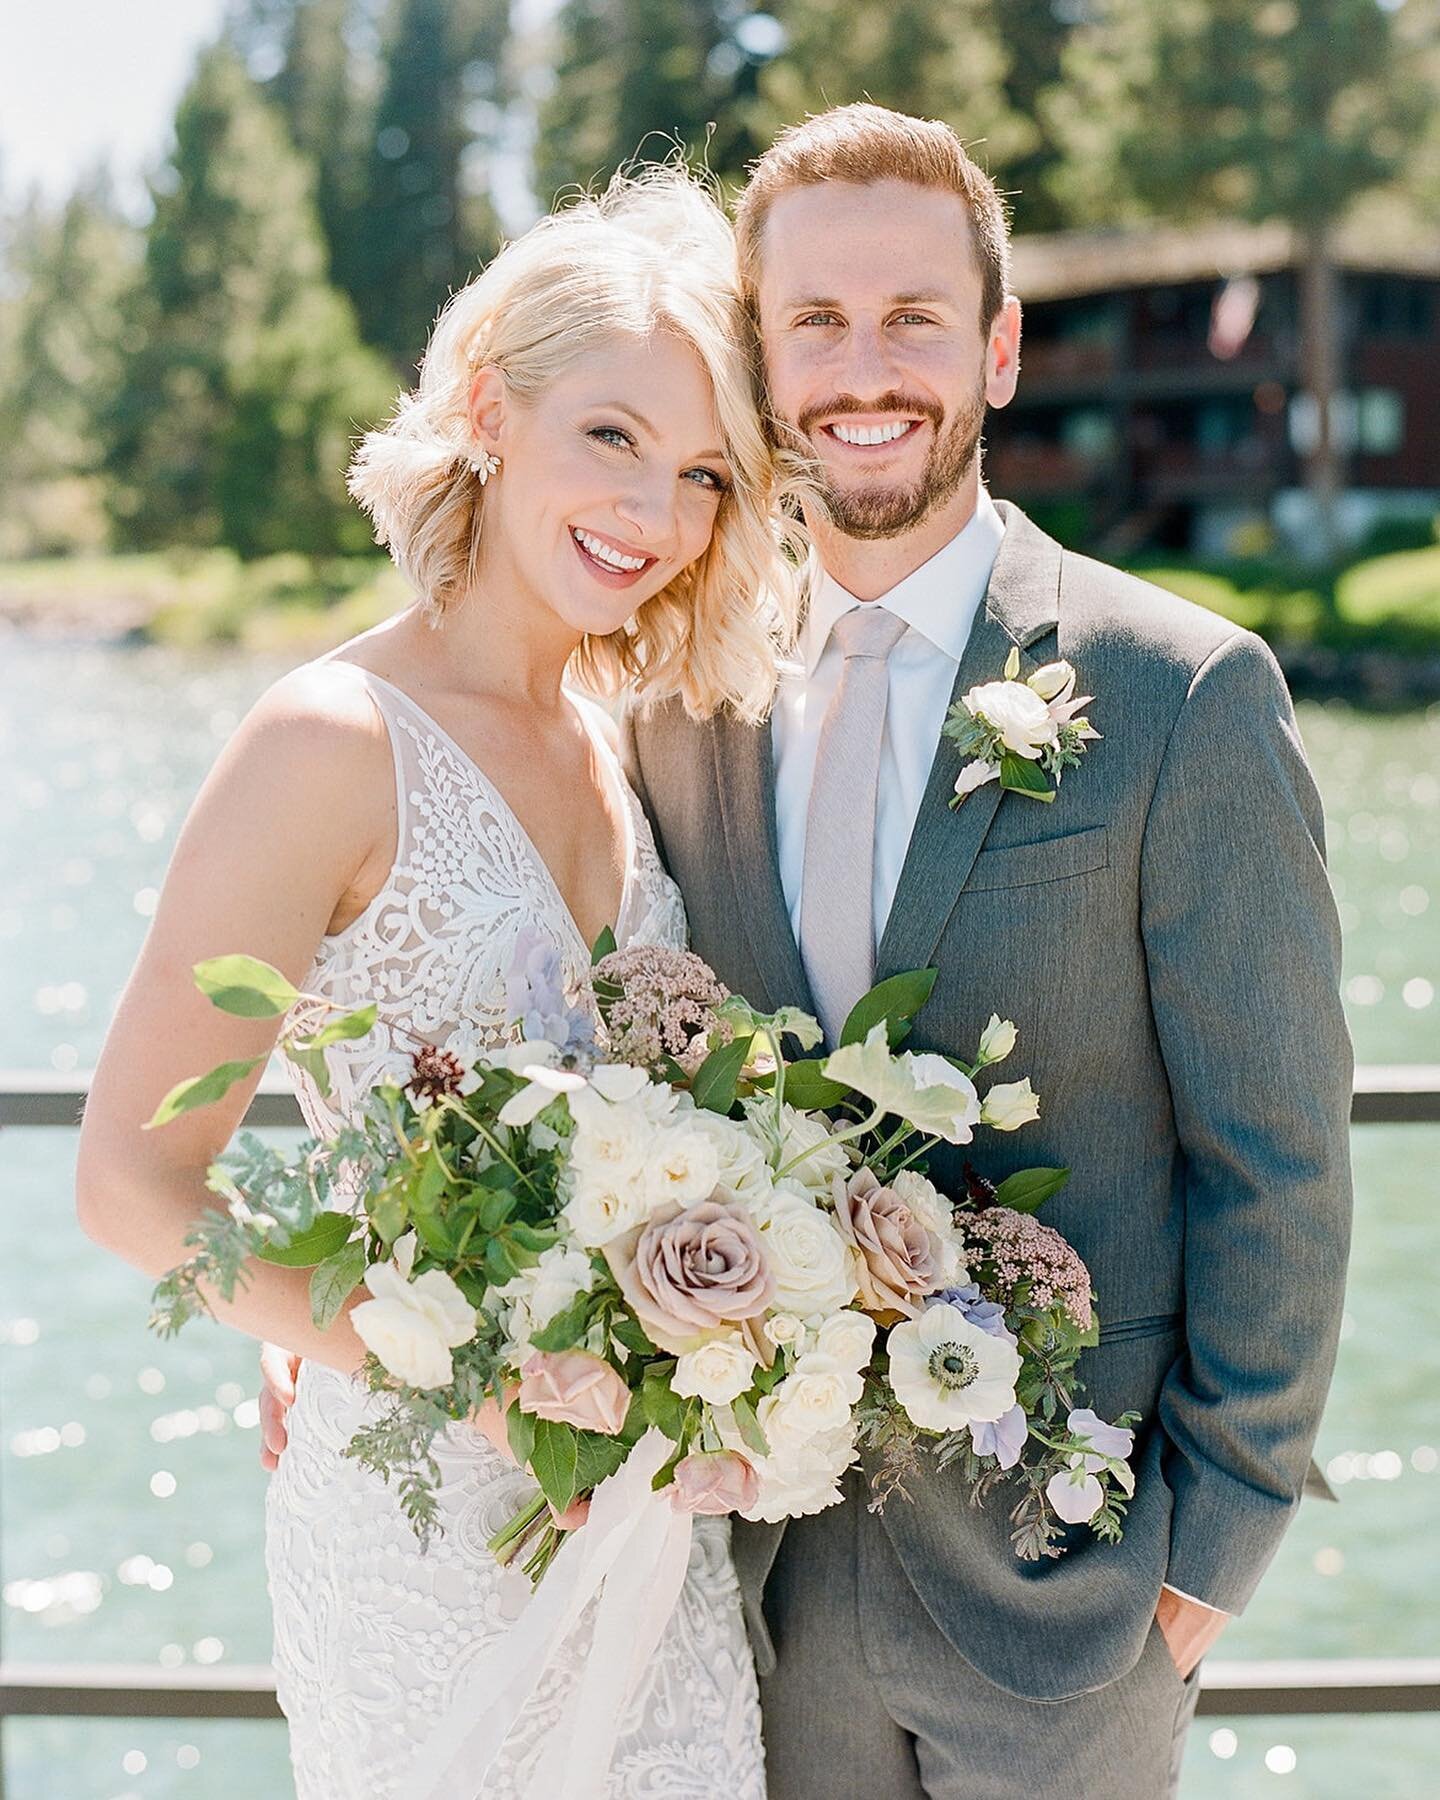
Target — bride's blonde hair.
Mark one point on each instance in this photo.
(654, 253)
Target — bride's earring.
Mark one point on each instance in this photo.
(484, 466)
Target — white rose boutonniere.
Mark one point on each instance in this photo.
(1023, 734)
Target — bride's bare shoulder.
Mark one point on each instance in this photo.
(324, 708)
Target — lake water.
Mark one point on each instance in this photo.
(130, 1495)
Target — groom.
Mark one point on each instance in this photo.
(1162, 934)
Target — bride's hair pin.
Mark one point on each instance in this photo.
(484, 466)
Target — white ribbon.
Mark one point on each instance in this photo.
(633, 1552)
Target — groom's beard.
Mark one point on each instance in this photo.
(882, 512)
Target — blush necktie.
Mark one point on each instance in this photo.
(837, 921)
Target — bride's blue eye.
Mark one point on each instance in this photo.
(611, 434)
(708, 478)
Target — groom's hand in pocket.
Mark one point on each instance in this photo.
(1189, 1629)
(278, 1370)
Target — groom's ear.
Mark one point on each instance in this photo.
(487, 406)
(1002, 354)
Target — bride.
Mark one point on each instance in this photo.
(579, 488)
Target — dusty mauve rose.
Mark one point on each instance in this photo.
(571, 1387)
(714, 1481)
(687, 1272)
(897, 1253)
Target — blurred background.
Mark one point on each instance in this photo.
(224, 231)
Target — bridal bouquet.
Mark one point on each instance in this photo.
(652, 1222)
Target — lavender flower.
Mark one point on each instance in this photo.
(989, 1315)
(535, 997)
(1004, 1440)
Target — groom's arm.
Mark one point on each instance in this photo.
(1243, 950)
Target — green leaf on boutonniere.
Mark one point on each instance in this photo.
(319, 1241)
(334, 1281)
(896, 1001)
(1018, 775)
(719, 1075)
(245, 986)
(201, 1090)
(1027, 1190)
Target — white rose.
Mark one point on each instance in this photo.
(815, 1398)
(1009, 1105)
(997, 1040)
(803, 1478)
(607, 1175)
(599, 1208)
(783, 1329)
(542, 1292)
(1019, 716)
(743, 1169)
(947, 1372)
(849, 1337)
(412, 1326)
(1053, 681)
(717, 1372)
(804, 1131)
(682, 1167)
(806, 1255)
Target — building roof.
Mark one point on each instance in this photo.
(1066, 264)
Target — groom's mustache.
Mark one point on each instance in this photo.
(895, 402)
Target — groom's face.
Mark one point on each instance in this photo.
(875, 354)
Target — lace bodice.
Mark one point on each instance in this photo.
(372, 1638)
(435, 944)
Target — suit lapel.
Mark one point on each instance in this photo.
(1021, 606)
(744, 774)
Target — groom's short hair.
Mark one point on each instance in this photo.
(865, 144)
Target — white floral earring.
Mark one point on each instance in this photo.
(484, 466)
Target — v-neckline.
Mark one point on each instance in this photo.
(608, 763)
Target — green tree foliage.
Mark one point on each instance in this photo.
(314, 88)
(639, 76)
(68, 272)
(424, 219)
(938, 59)
(244, 378)
(1032, 35)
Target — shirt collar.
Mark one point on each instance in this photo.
(939, 599)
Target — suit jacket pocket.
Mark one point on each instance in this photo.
(1053, 859)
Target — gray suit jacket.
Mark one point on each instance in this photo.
(1164, 937)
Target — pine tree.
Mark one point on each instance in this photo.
(69, 271)
(424, 223)
(1032, 35)
(245, 375)
(1189, 109)
(314, 88)
(937, 59)
(637, 77)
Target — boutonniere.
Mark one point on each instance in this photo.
(1021, 733)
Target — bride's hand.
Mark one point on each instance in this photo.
(490, 1418)
(278, 1371)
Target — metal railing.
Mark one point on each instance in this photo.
(1401, 1095)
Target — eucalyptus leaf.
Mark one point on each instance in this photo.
(896, 1001)
(334, 1281)
(1027, 1190)
(319, 1241)
(245, 986)
(201, 1090)
(718, 1076)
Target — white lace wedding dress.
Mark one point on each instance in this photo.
(372, 1637)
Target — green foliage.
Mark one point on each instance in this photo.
(201, 1090)
(316, 1244)
(333, 1282)
(244, 376)
(1027, 1190)
(245, 986)
(896, 1001)
(718, 1077)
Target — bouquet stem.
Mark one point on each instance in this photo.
(512, 1538)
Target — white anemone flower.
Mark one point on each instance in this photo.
(947, 1372)
(927, 1090)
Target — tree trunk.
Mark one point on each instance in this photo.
(1320, 373)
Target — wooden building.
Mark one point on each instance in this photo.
(1161, 400)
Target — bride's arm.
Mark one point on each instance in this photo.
(297, 815)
